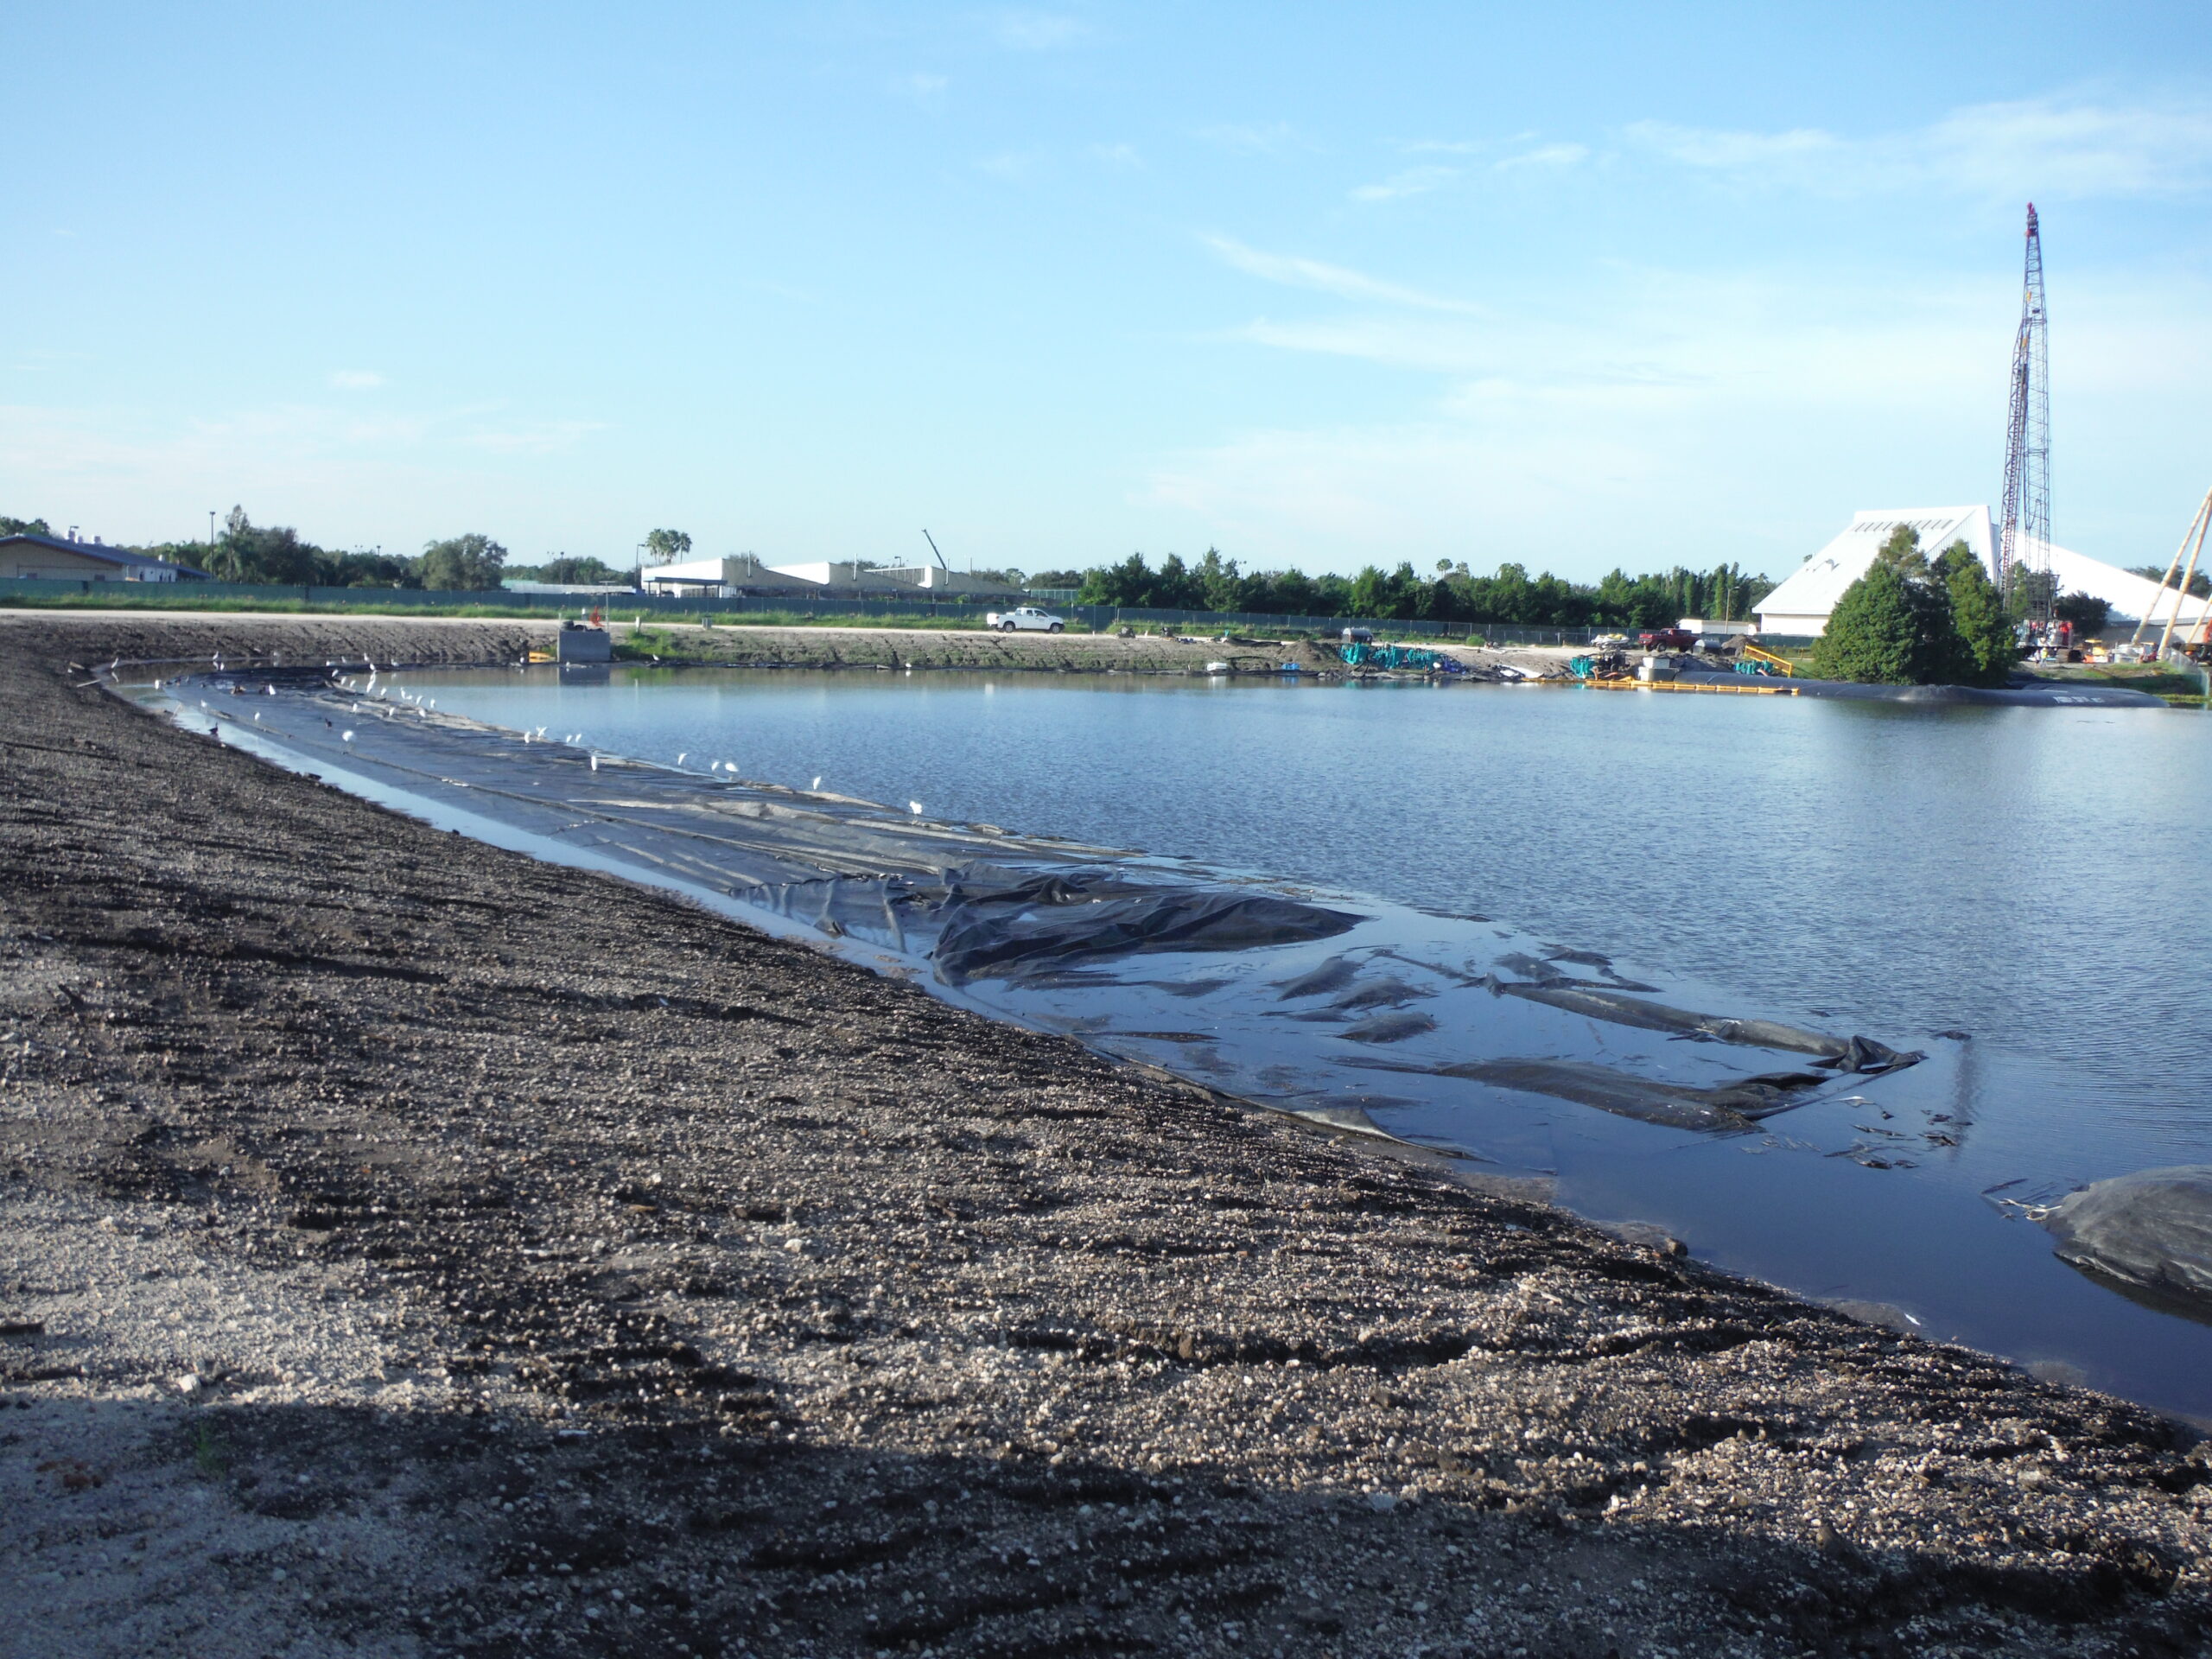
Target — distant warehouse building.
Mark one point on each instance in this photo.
(25, 556)
(1801, 606)
(837, 579)
(716, 578)
(894, 579)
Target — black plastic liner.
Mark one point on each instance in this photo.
(2151, 1231)
(1263, 989)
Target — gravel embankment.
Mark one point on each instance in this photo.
(412, 1250)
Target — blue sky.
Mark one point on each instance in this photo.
(1574, 285)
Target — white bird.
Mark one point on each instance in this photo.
(915, 807)
(679, 758)
(730, 767)
(817, 783)
(594, 763)
(347, 736)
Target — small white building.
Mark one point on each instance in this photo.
(1801, 604)
(29, 556)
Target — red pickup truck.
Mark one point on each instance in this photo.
(1667, 640)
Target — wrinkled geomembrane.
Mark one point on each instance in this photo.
(1259, 989)
(977, 942)
(2152, 1230)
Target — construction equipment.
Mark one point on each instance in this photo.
(2192, 543)
(2024, 539)
(1755, 661)
(1410, 659)
(1598, 666)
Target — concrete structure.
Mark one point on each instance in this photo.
(717, 578)
(935, 578)
(894, 579)
(29, 556)
(577, 644)
(1801, 604)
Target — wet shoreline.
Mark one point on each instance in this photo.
(617, 1202)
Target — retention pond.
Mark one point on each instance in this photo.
(1840, 994)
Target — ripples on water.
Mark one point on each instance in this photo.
(2031, 876)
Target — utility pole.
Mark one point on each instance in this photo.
(211, 530)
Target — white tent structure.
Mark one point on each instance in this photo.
(1801, 605)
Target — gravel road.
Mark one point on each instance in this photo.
(410, 1248)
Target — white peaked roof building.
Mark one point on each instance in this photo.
(1801, 605)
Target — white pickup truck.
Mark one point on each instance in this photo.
(1025, 616)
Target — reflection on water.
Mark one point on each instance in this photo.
(2019, 876)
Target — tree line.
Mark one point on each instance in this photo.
(1452, 593)
(279, 555)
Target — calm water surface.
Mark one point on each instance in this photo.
(2033, 877)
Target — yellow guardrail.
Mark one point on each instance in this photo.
(1751, 688)
(1780, 664)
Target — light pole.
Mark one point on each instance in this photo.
(211, 530)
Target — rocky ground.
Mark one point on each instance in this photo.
(412, 1250)
(136, 634)
(1093, 653)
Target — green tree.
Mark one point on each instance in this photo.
(266, 553)
(667, 546)
(2199, 584)
(1222, 588)
(2029, 592)
(1978, 618)
(2086, 612)
(472, 562)
(25, 526)
(1873, 633)
(371, 571)
(1901, 552)
(585, 570)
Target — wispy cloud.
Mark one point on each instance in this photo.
(1124, 156)
(1036, 31)
(1666, 400)
(1414, 181)
(1293, 271)
(1547, 156)
(1735, 152)
(532, 438)
(2076, 148)
(1015, 166)
(921, 86)
(356, 379)
(1265, 138)
(2049, 148)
